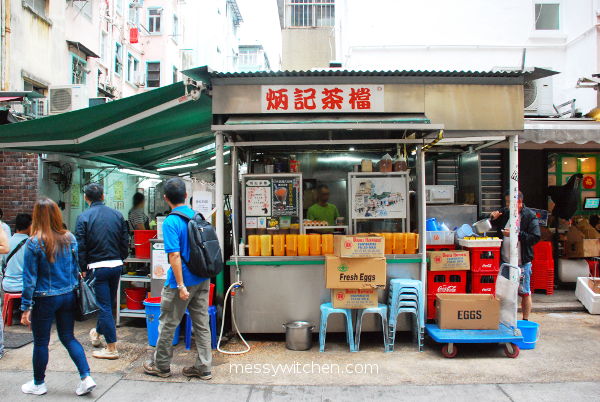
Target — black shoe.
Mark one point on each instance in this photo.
(151, 369)
(194, 372)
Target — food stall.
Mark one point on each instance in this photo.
(343, 129)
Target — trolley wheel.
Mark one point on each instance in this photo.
(448, 354)
(507, 350)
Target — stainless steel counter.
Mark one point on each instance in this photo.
(277, 290)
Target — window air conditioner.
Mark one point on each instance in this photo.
(66, 98)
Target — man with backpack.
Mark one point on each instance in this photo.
(183, 290)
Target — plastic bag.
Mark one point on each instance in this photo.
(507, 293)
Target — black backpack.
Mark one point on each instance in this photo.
(206, 260)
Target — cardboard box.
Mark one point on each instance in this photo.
(467, 311)
(359, 246)
(578, 246)
(449, 260)
(354, 298)
(354, 273)
(594, 285)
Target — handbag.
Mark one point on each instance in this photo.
(87, 305)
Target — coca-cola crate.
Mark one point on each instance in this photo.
(483, 283)
(542, 251)
(440, 247)
(430, 307)
(485, 259)
(446, 282)
(594, 264)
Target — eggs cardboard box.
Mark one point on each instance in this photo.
(369, 246)
(354, 298)
(354, 273)
(467, 311)
(578, 246)
(453, 260)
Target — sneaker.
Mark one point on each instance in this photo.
(106, 354)
(194, 372)
(95, 338)
(31, 388)
(86, 386)
(151, 369)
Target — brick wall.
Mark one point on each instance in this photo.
(18, 184)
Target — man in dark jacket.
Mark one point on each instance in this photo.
(103, 239)
(529, 235)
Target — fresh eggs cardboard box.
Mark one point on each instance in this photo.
(354, 273)
(359, 246)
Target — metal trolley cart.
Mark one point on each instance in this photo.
(507, 333)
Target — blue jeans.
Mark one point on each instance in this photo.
(1, 328)
(525, 280)
(45, 311)
(107, 282)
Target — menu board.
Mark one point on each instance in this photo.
(160, 261)
(285, 196)
(258, 197)
(379, 197)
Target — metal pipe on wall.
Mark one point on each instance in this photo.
(220, 202)
(422, 228)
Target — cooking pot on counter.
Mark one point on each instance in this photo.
(482, 226)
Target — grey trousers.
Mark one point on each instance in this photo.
(172, 310)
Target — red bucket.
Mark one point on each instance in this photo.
(141, 239)
(135, 297)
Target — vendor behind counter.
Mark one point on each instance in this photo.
(322, 210)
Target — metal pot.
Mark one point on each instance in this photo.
(298, 335)
(483, 226)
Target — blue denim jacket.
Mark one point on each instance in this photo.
(42, 278)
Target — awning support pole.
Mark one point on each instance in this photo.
(422, 229)
(514, 224)
(220, 202)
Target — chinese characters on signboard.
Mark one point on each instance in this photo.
(285, 196)
(322, 98)
(258, 198)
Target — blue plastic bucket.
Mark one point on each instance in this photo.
(529, 330)
(152, 305)
(431, 225)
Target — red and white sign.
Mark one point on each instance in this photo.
(322, 98)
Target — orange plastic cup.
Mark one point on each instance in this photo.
(412, 241)
(279, 245)
(389, 242)
(314, 244)
(291, 245)
(254, 243)
(265, 245)
(303, 245)
(399, 243)
(327, 244)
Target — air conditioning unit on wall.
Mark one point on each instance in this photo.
(538, 97)
(66, 98)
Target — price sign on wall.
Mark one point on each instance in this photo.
(203, 201)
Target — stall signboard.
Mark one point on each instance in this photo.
(378, 197)
(285, 196)
(160, 261)
(258, 197)
(322, 98)
(203, 201)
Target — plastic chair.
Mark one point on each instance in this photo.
(406, 296)
(7, 307)
(326, 310)
(382, 310)
(212, 314)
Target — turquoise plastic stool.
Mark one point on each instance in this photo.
(212, 314)
(326, 310)
(382, 310)
(406, 296)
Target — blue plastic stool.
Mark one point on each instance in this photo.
(406, 296)
(326, 310)
(212, 314)
(382, 310)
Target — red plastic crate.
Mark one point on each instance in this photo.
(485, 259)
(542, 276)
(440, 247)
(446, 282)
(542, 251)
(594, 264)
(483, 283)
(430, 307)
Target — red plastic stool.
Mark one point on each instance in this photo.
(7, 307)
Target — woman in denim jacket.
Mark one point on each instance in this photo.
(50, 276)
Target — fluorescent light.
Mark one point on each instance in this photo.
(195, 151)
(351, 149)
(334, 159)
(211, 168)
(139, 173)
(224, 153)
(177, 167)
(183, 174)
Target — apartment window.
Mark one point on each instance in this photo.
(84, 7)
(154, 15)
(29, 86)
(134, 12)
(103, 42)
(547, 16)
(248, 57)
(133, 67)
(118, 58)
(38, 6)
(310, 13)
(119, 6)
(78, 69)
(175, 27)
(153, 74)
(175, 71)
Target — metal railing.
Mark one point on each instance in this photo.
(310, 13)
